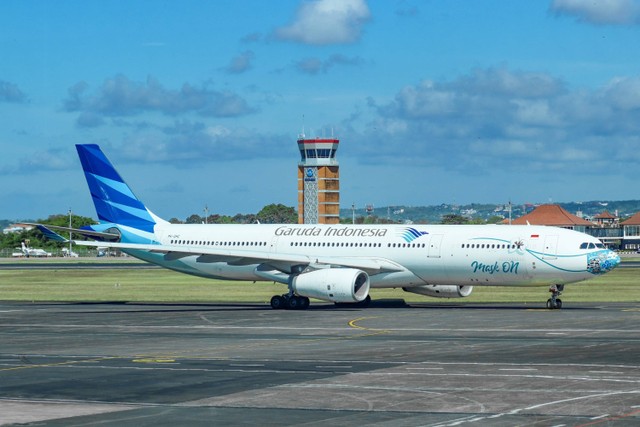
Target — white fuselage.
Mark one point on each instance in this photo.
(415, 255)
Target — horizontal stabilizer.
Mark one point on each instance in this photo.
(47, 230)
(50, 234)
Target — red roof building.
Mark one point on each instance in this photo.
(634, 220)
(605, 219)
(553, 215)
(631, 232)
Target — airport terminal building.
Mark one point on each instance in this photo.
(623, 235)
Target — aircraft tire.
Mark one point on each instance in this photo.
(305, 303)
(365, 302)
(293, 303)
(552, 306)
(277, 302)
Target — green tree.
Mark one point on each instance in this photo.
(277, 214)
(369, 219)
(194, 219)
(62, 220)
(454, 219)
(219, 219)
(37, 240)
(244, 219)
(495, 219)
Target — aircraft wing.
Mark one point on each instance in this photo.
(48, 231)
(248, 257)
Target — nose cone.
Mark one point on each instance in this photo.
(602, 261)
(614, 260)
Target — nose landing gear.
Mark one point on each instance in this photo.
(554, 302)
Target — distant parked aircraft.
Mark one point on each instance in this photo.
(31, 252)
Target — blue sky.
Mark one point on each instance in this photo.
(201, 102)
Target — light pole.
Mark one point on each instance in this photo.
(70, 233)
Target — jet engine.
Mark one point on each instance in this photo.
(441, 291)
(333, 284)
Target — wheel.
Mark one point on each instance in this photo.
(552, 305)
(277, 302)
(293, 303)
(364, 303)
(305, 303)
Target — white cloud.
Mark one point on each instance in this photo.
(536, 112)
(600, 12)
(10, 92)
(119, 96)
(51, 159)
(240, 63)
(187, 143)
(491, 119)
(624, 92)
(322, 22)
(315, 65)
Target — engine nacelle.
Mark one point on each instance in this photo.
(333, 284)
(441, 291)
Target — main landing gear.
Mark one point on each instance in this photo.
(554, 302)
(289, 302)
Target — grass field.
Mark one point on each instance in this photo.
(158, 285)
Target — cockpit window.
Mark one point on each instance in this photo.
(591, 245)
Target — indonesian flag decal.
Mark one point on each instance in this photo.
(535, 236)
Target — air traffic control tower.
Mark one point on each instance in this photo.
(318, 181)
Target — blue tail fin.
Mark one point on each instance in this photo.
(113, 199)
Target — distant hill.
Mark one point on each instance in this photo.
(434, 214)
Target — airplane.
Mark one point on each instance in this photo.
(29, 252)
(340, 263)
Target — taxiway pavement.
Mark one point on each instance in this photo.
(387, 365)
